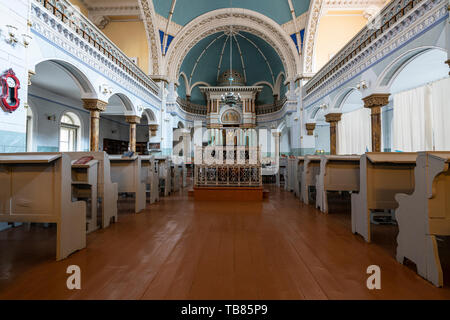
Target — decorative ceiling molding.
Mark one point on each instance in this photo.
(301, 20)
(148, 15)
(319, 8)
(315, 9)
(161, 22)
(219, 21)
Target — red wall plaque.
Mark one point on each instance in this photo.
(9, 98)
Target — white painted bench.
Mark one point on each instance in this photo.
(36, 187)
(165, 176)
(107, 191)
(425, 214)
(311, 169)
(126, 171)
(150, 177)
(337, 173)
(298, 172)
(292, 164)
(84, 187)
(382, 176)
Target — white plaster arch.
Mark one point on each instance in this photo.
(266, 83)
(150, 115)
(341, 97)
(219, 20)
(81, 80)
(278, 83)
(198, 83)
(390, 73)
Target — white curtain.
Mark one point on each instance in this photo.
(412, 120)
(421, 116)
(440, 96)
(354, 132)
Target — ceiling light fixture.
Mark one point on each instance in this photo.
(230, 98)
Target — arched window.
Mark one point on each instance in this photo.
(69, 132)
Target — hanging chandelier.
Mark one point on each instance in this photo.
(230, 98)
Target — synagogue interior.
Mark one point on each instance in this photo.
(224, 149)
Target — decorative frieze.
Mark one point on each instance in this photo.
(399, 22)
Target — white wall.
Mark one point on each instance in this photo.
(46, 132)
(13, 125)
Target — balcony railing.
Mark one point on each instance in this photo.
(270, 108)
(65, 12)
(190, 107)
(201, 109)
(381, 25)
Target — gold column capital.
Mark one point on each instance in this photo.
(333, 117)
(133, 119)
(310, 128)
(94, 105)
(376, 100)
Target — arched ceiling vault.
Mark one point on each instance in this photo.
(252, 57)
(244, 21)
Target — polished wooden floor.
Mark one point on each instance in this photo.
(182, 249)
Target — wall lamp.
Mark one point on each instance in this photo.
(12, 38)
(361, 85)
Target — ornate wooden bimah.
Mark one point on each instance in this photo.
(228, 173)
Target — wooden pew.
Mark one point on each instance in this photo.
(84, 186)
(165, 176)
(107, 191)
(311, 169)
(292, 164)
(36, 187)
(126, 171)
(184, 174)
(425, 214)
(298, 172)
(337, 173)
(176, 177)
(382, 176)
(150, 177)
(282, 172)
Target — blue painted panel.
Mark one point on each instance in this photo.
(187, 10)
(12, 142)
(47, 149)
(205, 57)
(294, 38)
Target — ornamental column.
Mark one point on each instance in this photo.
(375, 102)
(94, 106)
(133, 120)
(333, 119)
(152, 131)
(310, 128)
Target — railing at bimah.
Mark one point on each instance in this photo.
(232, 155)
(378, 27)
(271, 108)
(191, 107)
(243, 175)
(201, 109)
(227, 166)
(65, 12)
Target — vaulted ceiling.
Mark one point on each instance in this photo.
(187, 10)
(252, 57)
